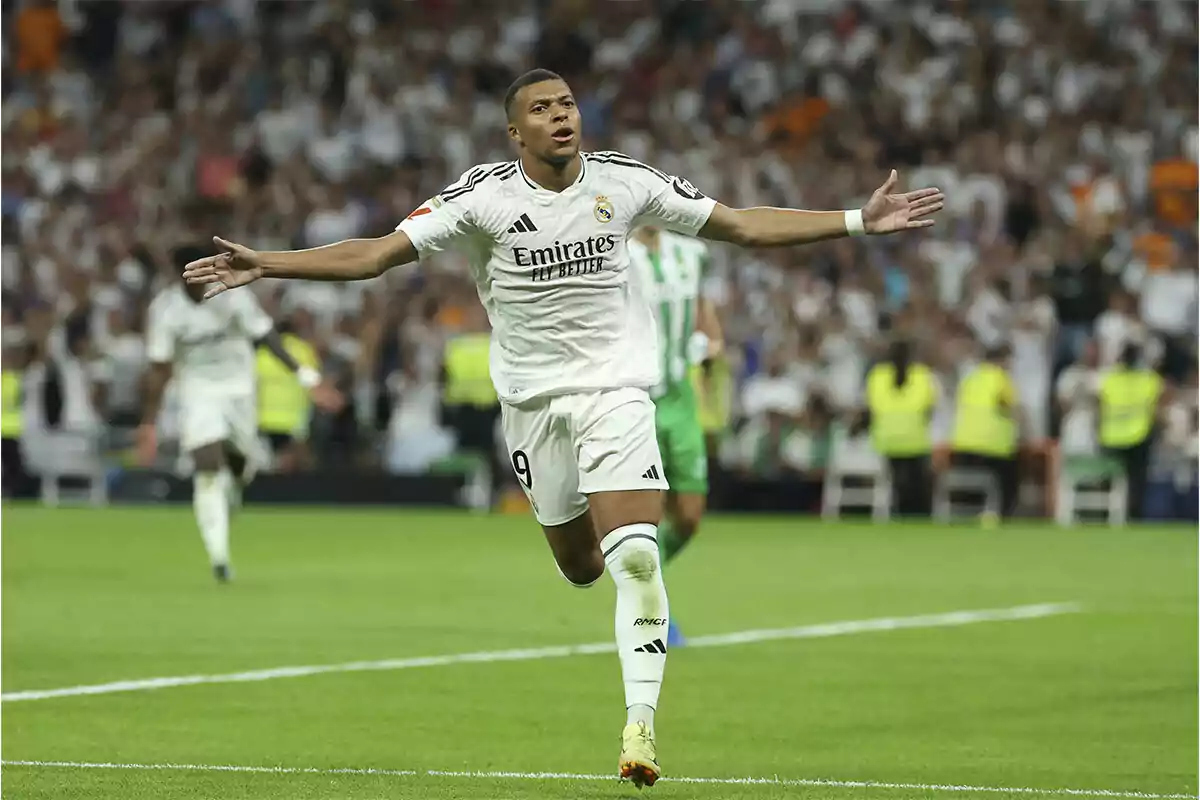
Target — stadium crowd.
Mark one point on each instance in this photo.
(1064, 135)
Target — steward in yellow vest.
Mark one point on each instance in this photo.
(985, 424)
(469, 403)
(1128, 406)
(984, 420)
(468, 372)
(284, 405)
(901, 397)
(17, 482)
(1129, 401)
(12, 420)
(713, 385)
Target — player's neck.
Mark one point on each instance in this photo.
(552, 177)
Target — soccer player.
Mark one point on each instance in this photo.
(209, 349)
(670, 268)
(573, 340)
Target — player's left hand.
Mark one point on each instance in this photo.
(235, 266)
(327, 398)
(887, 212)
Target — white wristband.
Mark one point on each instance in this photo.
(854, 222)
(308, 377)
(697, 347)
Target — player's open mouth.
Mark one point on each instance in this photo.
(563, 135)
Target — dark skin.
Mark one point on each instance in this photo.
(545, 126)
(216, 455)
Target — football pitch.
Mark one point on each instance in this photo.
(403, 654)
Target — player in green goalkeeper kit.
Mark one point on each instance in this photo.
(670, 268)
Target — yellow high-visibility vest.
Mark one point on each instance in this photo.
(283, 404)
(12, 420)
(713, 405)
(1128, 400)
(900, 415)
(983, 420)
(468, 373)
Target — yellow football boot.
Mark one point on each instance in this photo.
(639, 756)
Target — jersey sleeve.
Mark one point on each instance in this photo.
(444, 222)
(675, 204)
(252, 317)
(160, 338)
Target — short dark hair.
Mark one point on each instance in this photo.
(528, 79)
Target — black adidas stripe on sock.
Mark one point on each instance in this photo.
(625, 539)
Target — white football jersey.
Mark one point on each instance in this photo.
(670, 277)
(210, 344)
(553, 270)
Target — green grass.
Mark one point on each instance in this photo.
(1103, 699)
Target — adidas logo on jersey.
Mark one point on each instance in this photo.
(523, 225)
(651, 474)
(656, 646)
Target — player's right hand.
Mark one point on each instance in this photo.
(146, 443)
(236, 266)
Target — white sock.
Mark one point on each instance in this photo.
(631, 555)
(640, 713)
(210, 500)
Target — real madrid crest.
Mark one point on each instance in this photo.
(603, 209)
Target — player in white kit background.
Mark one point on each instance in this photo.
(208, 349)
(574, 347)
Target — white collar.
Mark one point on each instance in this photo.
(538, 188)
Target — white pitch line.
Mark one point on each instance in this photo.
(573, 776)
(820, 631)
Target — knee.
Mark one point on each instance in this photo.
(584, 571)
(636, 559)
(208, 459)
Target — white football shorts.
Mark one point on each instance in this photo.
(566, 447)
(208, 417)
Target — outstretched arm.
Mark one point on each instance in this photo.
(885, 212)
(437, 225)
(349, 260)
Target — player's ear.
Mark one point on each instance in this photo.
(514, 134)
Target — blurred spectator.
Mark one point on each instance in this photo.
(773, 390)
(40, 35)
(1033, 331)
(901, 397)
(12, 419)
(1131, 404)
(1119, 327)
(66, 385)
(1173, 474)
(124, 350)
(284, 406)
(1076, 399)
